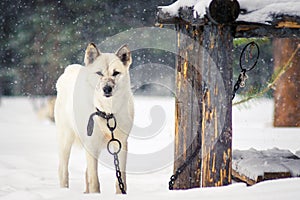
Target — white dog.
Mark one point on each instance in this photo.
(103, 84)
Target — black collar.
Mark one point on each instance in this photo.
(99, 113)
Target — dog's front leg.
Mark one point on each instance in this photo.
(92, 181)
(122, 161)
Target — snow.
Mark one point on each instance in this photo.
(253, 163)
(265, 11)
(28, 155)
(199, 7)
(173, 8)
(253, 128)
(256, 10)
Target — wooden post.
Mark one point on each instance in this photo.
(287, 92)
(188, 108)
(203, 101)
(216, 107)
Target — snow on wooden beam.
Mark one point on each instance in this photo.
(252, 166)
(185, 16)
(280, 18)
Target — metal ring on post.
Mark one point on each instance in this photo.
(250, 68)
(116, 151)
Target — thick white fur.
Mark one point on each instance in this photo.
(79, 92)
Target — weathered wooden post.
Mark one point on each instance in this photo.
(188, 108)
(286, 95)
(217, 113)
(203, 96)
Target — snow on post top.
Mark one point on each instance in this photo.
(199, 7)
(256, 11)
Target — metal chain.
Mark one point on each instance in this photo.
(241, 82)
(118, 174)
(111, 126)
(116, 151)
(182, 168)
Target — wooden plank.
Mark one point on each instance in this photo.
(276, 175)
(287, 24)
(267, 176)
(253, 166)
(285, 21)
(240, 177)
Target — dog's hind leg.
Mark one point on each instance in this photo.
(91, 175)
(65, 141)
(122, 161)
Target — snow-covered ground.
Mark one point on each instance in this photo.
(28, 155)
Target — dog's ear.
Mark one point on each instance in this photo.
(125, 55)
(91, 53)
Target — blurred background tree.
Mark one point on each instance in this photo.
(40, 38)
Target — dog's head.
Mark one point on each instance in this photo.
(111, 68)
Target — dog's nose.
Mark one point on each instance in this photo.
(107, 90)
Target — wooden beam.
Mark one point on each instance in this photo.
(288, 24)
(280, 27)
(285, 21)
(247, 30)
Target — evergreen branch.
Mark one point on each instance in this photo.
(272, 82)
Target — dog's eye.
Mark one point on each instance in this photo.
(116, 73)
(99, 73)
